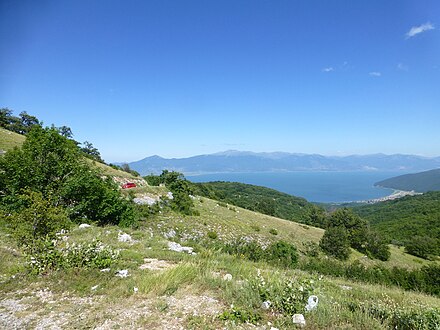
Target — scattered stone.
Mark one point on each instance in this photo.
(122, 273)
(345, 287)
(173, 246)
(135, 289)
(155, 264)
(145, 200)
(170, 195)
(299, 320)
(227, 277)
(123, 237)
(312, 302)
(272, 328)
(105, 270)
(84, 225)
(170, 234)
(95, 287)
(266, 304)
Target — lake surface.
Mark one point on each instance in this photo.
(323, 187)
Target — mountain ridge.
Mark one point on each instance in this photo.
(247, 161)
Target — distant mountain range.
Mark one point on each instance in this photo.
(246, 161)
(419, 182)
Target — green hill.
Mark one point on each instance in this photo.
(404, 218)
(419, 182)
(261, 199)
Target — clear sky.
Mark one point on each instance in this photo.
(180, 78)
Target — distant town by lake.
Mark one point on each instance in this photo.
(324, 187)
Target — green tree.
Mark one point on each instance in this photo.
(377, 247)
(53, 166)
(336, 243)
(181, 189)
(356, 227)
(5, 115)
(422, 246)
(91, 152)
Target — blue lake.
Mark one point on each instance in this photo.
(323, 187)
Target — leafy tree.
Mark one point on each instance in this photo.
(181, 189)
(377, 247)
(52, 165)
(336, 243)
(91, 152)
(65, 131)
(356, 227)
(266, 206)
(422, 246)
(5, 115)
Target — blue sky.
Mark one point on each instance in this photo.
(180, 78)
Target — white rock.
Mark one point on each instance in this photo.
(122, 273)
(95, 287)
(346, 287)
(173, 246)
(312, 302)
(266, 304)
(135, 289)
(84, 225)
(299, 320)
(272, 328)
(123, 237)
(170, 195)
(227, 277)
(105, 270)
(170, 234)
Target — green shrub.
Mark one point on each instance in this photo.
(212, 234)
(48, 254)
(240, 315)
(286, 296)
(335, 243)
(273, 231)
(282, 253)
(37, 218)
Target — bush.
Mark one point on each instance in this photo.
(273, 231)
(212, 234)
(46, 255)
(335, 243)
(240, 315)
(287, 297)
(279, 253)
(37, 218)
(282, 253)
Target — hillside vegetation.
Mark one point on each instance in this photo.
(261, 199)
(407, 218)
(9, 140)
(419, 182)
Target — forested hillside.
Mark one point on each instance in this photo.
(406, 219)
(419, 182)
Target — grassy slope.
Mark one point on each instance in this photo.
(251, 197)
(191, 292)
(9, 140)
